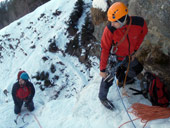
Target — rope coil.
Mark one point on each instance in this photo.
(147, 113)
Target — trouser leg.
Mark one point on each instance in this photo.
(30, 106)
(135, 68)
(104, 88)
(17, 107)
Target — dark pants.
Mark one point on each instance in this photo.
(104, 88)
(17, 108)
(134, 69)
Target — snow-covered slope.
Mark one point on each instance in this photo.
(72, 101)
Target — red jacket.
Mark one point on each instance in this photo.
(132, 42)
(23, 93)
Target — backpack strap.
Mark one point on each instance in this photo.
(151, 88)
(136, 92)
(123, 38)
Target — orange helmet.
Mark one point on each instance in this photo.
(117, 11)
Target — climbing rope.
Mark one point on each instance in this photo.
(124, 82)
(147, 113)
(144, 112)
(124, 105)
(36, 120)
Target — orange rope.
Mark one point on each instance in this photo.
(127, 31)
(124, 93)
(126, 72)
(37, 120)
(127, 122)
(147, 113)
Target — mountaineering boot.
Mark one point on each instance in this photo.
(108, 104)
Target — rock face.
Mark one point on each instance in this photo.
(154, 53)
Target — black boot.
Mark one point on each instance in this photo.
(108, 104)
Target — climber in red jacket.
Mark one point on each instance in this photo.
(23, 92)
(122, 37)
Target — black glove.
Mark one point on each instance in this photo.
(120, 73)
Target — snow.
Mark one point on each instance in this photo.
(73, 101)
(100, 4)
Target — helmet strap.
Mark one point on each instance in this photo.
(124, 22)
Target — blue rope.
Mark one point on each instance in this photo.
(124, 104)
